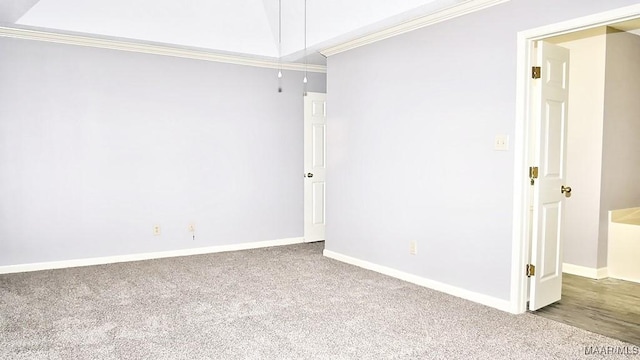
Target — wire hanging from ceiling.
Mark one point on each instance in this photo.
(304, 80)
(279, 46)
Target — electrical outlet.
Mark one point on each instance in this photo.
(156, 230)
(192, 227)
(413, 247)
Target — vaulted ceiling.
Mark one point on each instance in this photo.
(246, 27)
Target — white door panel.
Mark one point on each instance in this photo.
(317, 217)
(550, 106)
(315, 155)
(317, 148)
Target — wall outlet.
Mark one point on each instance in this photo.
(192, 227)
(156, 230)
(413, 247)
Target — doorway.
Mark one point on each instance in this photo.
(522, 227)
(315, 165)
(603, 130)
(604, 72)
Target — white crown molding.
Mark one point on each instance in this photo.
(88, 41)
(420, 22)
(9, 269)
(483, 299)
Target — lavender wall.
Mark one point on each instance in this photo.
(621, 150)
(412, 121)
(97, 146)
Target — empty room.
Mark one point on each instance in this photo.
(319, 179)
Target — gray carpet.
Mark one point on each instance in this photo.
(277, 303)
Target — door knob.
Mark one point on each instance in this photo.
(309, 175)
(566, 190)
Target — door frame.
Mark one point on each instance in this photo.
(522, 155)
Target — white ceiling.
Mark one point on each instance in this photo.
(247, 27)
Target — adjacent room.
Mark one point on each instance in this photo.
(269, 179)
(602, 279)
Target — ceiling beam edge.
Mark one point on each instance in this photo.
(420, 22)
(131, 46)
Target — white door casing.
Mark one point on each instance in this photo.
(550, 107)
(315, 156)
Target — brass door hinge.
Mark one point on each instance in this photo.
(533, 174)
(535, 72)
(531, 270)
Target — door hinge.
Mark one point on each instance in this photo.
(531, 270)
(533, 174)
(535, 72)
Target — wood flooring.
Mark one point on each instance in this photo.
(608, 307)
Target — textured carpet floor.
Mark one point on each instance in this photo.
(277, 303)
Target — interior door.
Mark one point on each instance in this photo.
(551, 93)
(315, 156)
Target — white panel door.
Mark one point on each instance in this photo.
(315, 156)
(551, 92)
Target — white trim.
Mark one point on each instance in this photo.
(145, 256)
(602, 273)
(88, 41)
(627, 278)
(493, 302)
(521, 206)
(520, 230)
(584, 271)
(420, 22)
(583, 23)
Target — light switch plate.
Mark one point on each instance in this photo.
(501, 143)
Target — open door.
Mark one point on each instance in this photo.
(550, 108)
(315, 156)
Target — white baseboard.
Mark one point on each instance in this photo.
(584, 271)
(145, 256)
(625, 278)
(499, 304)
